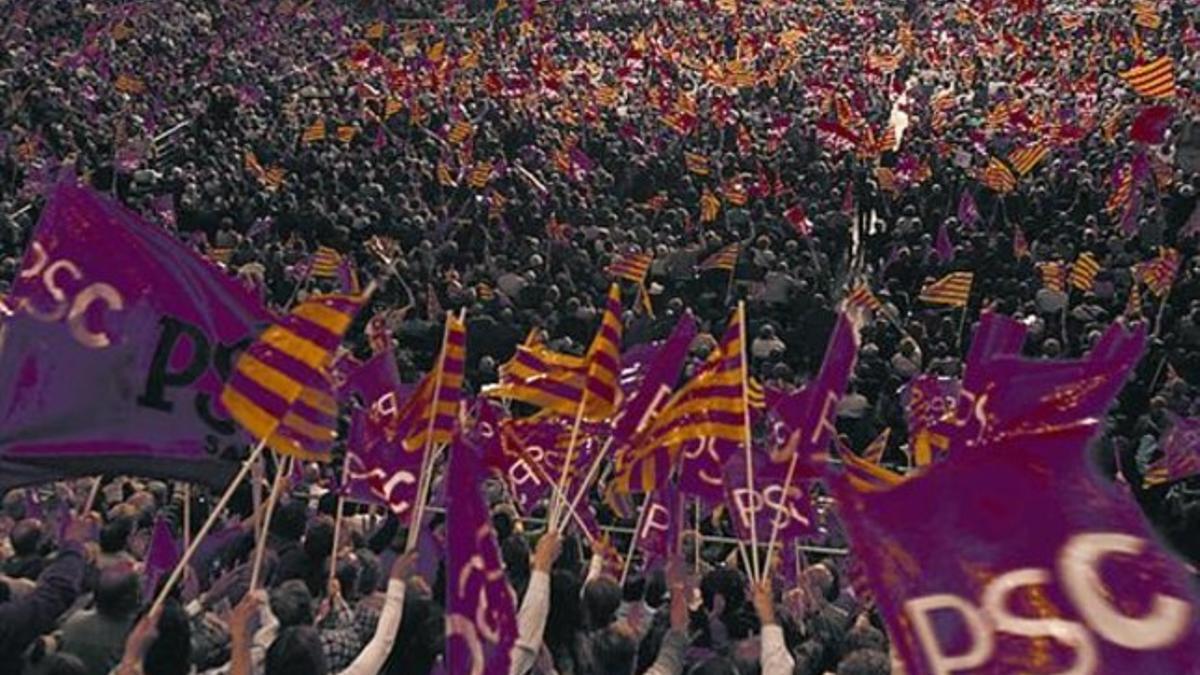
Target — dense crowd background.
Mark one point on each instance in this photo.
(595, 83)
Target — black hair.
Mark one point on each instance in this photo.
(296, 651)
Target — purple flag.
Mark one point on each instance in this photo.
(928, 400)
(1181, 453)
(943, 246)
(701, 472)
(811, 424)
(379, 472)
(161, 557)
(659, 381)
(660, 526)
(768, 501)
(1017, 557)
(118, 349)
(481, 613)
(163, 208)
(968, 212)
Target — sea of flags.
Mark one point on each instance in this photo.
(724, 259)
(1153, 80)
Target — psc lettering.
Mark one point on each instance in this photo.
(773, 498)
(71, 298)
(1078, 569)
(164, 375)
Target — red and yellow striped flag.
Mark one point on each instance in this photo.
(281, 390)
(315, 132)
(695, 163)
(128, 84)
(1026, 159)
(346, 133)
(460, 132)
(710, 206)
(1152, 80)
(480, 174)
(1054, 276)
(713, 404)
(861, 296)
(998, 177)
(430, 416)
(953, 290)
(1145, 14)
(325, 263)
(1133, 305)
(375, 31)
(1084, 271)
(1159, 274)
(632, 267)
(724, 259)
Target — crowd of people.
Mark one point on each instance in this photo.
(497, 159)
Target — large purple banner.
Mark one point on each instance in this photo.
(117, 349)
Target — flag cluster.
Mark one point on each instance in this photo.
(953, 290)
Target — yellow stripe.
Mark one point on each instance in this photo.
(330, 319)
(319, 400)
(245, 412)
(269, 378)
(304, 351)
(314, 431)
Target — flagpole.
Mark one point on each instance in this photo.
(754, 573)
(555, 503)
(1162, 308)
(427, 461)
(91, 498)
(260, 549)
(337, 521)
(787, 490)
(637, 531)
(587, 482)
(187, 515)
(190, 550)
(699, 536)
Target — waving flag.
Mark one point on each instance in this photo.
(161, 557)
(998, 177)
(660, 526)
(562, 383)
(325, 263)
(770, 500)
(711, 404)
(377, 470)
(1159, 273)
(725, 259)
(119, 370)
(281, 390)
(1026, 159)
(430, 416)
(968, 211)
(314, 132)
(710, 206)
(634, 267)
(943, 247)
(1054, 275)
(954, 290)
(1084, 271)
(655, 388)
(1180, 453)
(1155, 79)
(862, 297)
(481, 613)
(697, 164)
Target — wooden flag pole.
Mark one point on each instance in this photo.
(190, 551)
(337, 520)
(187, 516)
(427, 460)
(787, 489)
(557, 505)
(86, 507)
(699, 536)
(747, 441)
(637, 530)
(587, 482)
(283, 466)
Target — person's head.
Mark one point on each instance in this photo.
(726, 583)
(601, 599)
(171, 653)
(117, 591)
(296, 651)
(289, 520)
(114, 536)
(292, 604)
(865, 662)
(614, 650)
(26, 536)
(40, 659)
(318, 540)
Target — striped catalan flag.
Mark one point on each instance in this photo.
(1122, 195)
(998, 177)
(735, 193)
(375, 31)
(128, 84)
(1159, 274)
(953, 290)
(480, 174)
(444, 177)
(725, 259)
(1133, 305)
(710, 206)
(325, 263)
(861, 296)
(561, 383)
(631, 267)
(1084, 271)
(460, 132)
(1145, 14)
(696, 163)
(346, 133)
(430, 416)
(1054, 276)
(864, 475)
(1155, 79)
(713, 404)
(1026, 159)
(281, 390)
(315, 132)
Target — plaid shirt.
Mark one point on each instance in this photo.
(340, 638)
(366, 616)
